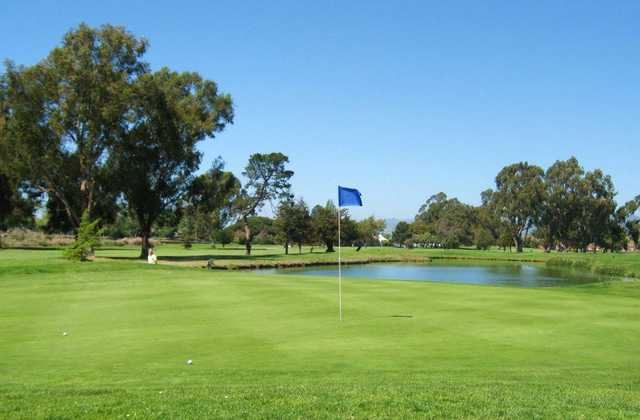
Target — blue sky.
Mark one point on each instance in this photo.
(399, 99)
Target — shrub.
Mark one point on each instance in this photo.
(86, 240)
(483, 239)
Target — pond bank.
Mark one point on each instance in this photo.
(256, 265)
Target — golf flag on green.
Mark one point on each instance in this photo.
(349, 197)
(346, 197)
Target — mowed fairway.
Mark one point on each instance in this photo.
(272, 346)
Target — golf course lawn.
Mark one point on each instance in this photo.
(267, 346)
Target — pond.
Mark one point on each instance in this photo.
(494, 274)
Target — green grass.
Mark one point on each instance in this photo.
(268, 346)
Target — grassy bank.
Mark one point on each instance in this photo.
(268, 346)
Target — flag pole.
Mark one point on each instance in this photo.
(339, 263)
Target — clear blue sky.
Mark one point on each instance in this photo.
(399, 99)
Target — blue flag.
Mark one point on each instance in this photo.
(349, 197)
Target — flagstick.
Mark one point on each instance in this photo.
(339, 264)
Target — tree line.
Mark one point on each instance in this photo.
(94, 134)
(564, 207)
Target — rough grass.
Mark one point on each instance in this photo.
(272, 347)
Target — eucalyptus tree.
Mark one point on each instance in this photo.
(447, 221)
(155, 156)
(597, 211)
(66, 110)
(518, 199)
(267, 180)
(563, 182)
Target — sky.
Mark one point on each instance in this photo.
(399, 99)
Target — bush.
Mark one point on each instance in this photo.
(86, 240)
(483, 239)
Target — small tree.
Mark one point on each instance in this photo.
(483, 238)
(401, 233)
(325, 224)
(187, 229)
(292, 223)
(369, 230)
(223, 236)
(86, 240)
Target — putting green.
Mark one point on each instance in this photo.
(271, 346)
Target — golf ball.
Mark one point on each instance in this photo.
(189, 362)
(65, 333)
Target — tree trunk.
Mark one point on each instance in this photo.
(299, 248)
(145, 246)
(329, 246)
(247, 237)
(286, 248)
(518, 242)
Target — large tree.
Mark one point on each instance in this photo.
(597, 206)
(267, 180)
(518, 198)
(67, 110)
(563, 182)
(155, 156)
(446, 221)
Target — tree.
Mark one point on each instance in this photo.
(293, 223)
(518, 197)
(223, 236)
(267, 180)
(401, 233)
(86, 239)
(447, 221)
(66, 110)
(214, 193)
(562, 200)
(483, 238)
(369, 230)
(597, 211)
(155, 157)
(187, 229)
(487, 214)
(324, 220)
(324, 224)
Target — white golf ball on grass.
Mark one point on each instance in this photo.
(189, 362)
